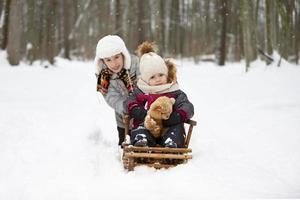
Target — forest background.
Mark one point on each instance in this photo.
(213, 30)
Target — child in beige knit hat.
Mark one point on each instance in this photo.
(157, 79)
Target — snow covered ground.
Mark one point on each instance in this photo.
(58, 138)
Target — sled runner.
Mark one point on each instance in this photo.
(157, 157)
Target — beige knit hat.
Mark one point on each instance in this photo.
(150, 62)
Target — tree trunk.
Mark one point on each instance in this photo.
(285, 31)
(223, 32)
(66, 28)
(51, 14)
(163, 25)
(166, 22)
(196, 40)
(297, 33)
(268, 36)
(141, 21)
(174, 40)
(249, 39)
(118, 14)
(1, 7)
(14, 34)
(5, 25)
(156, 25)
(31, 33)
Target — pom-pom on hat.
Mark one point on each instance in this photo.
(111, 45)
(150, 62)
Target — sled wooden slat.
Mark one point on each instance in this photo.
(156, 165)
(157, 149)
(191, 122)
(156, 155)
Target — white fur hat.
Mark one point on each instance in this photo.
(151, 64)
(111, 45)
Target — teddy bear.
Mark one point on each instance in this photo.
(159, 110)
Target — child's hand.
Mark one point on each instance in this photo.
(138, 113)
(103, 81)
(101, 89)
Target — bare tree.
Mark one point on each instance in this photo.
(268, 36)
(297, 31)
(249, 35)
(1, 6)
(5, 25)
(223, 13)
(66, 27)
(14, 33)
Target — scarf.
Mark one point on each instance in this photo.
(106, 75)
(157, 89)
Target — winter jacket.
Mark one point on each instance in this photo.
(138, 103)
(117, 92)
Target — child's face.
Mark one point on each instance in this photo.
(114, 63)
(158, 79)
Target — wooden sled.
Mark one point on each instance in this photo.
(157, 157)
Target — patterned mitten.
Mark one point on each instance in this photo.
(103, 81)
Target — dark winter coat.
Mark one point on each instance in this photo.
(138, 103)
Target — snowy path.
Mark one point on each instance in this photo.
(57, 141)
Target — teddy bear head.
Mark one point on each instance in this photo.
(161, 108)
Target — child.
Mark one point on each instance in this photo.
(116, 72)
(158, 78)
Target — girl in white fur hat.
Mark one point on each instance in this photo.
(116, 72)
(158, 78)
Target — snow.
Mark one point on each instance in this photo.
(58, 137)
